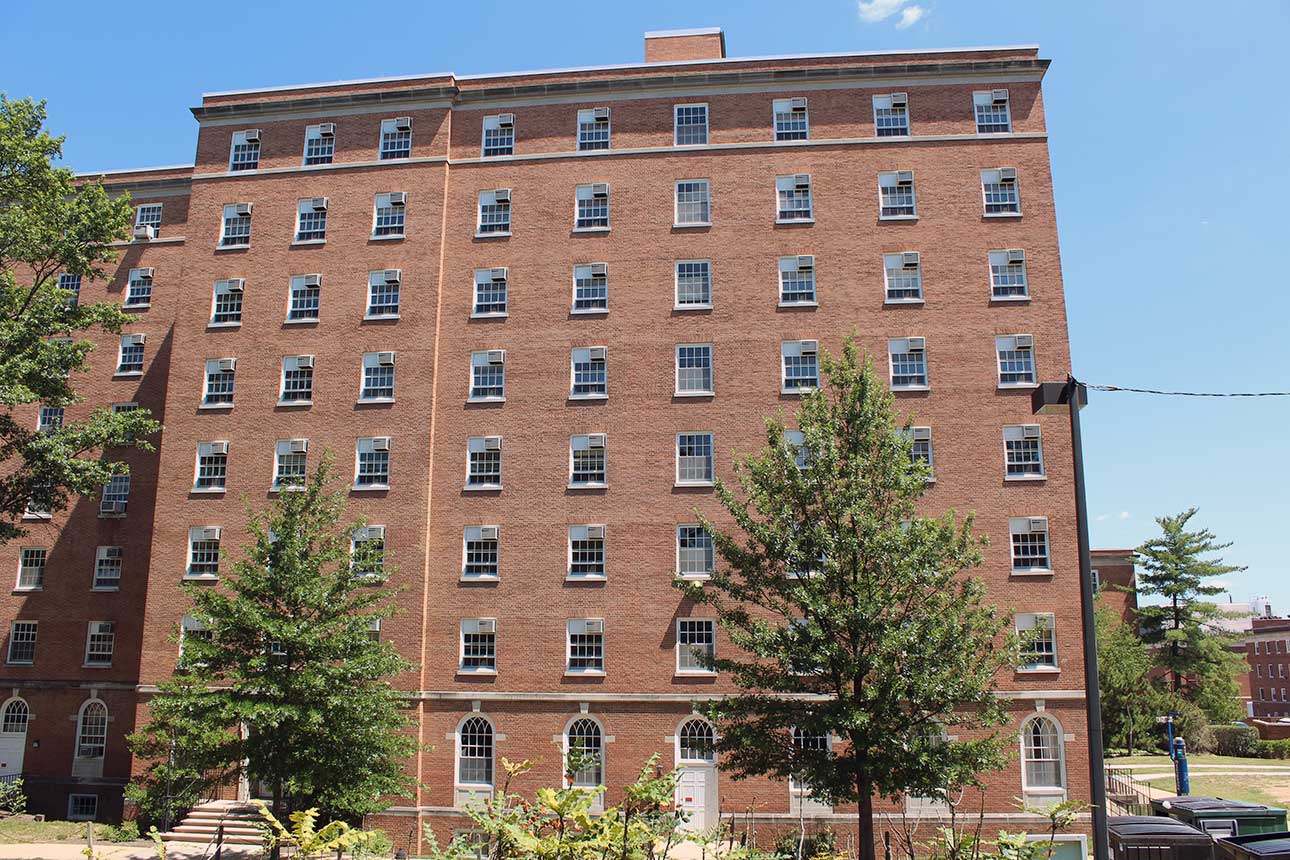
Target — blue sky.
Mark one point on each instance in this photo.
(1169, 142)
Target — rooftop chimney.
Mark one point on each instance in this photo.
(670, 46)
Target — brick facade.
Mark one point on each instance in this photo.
(1267, 649)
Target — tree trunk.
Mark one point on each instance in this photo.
(864, 826)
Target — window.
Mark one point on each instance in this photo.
(147, 216)
(992, 112)
(203, 552)
(587, 553)
(226, 305)
(31, 568)
(367, 549)
(691, 125)
(693, 203)
(475, 752)
(800, 366)
(320, 143)
(1259, 670)
(72, 285)
(696, 741)
(1029, 544)
(920, 448)
(796, 442)
(695, 558)
(593, 129)
(999, 189)
(237, 226)
(591, 288)
(589, 374)
(499, 135)
(212, 466)
(50, 419)
(138, 293)
(22, 642)
(311, 219)
(99, 643)
(82, 807)
(891, 115)
(791, 120)
(91, 730)
(378, 377)
(1039, 641)
(694, 369)
(16, 715)
(896, 195)
(1023, 455)
(488, 375)
(389, 216)
(794, 196)
(904, 276)
(1016, 359)
(372, 469)
(297, 380)
(484, 463)
(289, 463)
(592, 207)
(807, 743)
(107, 568)
(130, 358)
(479, 559)
(908, 362)
(305, 299)
(479, 645)
(696, 642)
(490, 292)
(583, 738)
(1041, 754)
(220, 377)
(693, 284)
(587, 460)
(494, 213)
(797, 280)
(694, 458)
(586, 646)
(192, 630)
(116, 496)
(1008, 275)
(396, 138)
(383, 293)
(245, 151)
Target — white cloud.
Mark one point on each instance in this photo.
(876, 11)
(1124, 515)
(1101, 518)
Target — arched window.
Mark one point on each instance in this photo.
(91, 730)
(1041, 753)
(15, 716)
(583, 738)
(696, 741)
(475, 752)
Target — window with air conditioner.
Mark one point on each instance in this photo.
(297, 387)
(1029, 545)
(693, 207)
(903, 274)
(587, 461)
(694, 370)
(383, 289)
(320, 143)
(372, 463)
(22, 642)
(212, 467)
(290, 464)
(591, 207)
(696, 646)
(487, 376)
(378, 377)
(908, 359)
(591, 288)
(586, 552)
(130, 357)
(220, 378)
(793, 194)
(993, 112)
(203, 552)
(695, 556)
(116, 496)
(70, 284)
(147, 221)
(1016, 357)
(479, 645)
(107, 568)
(367, 550)
(236, 229)
(31, 568)
(244, 152)
(690, 124)
(494, 213)
(585, 653)
(389, 215)
(1023, 453)
(693, 285)
(396, 138)
(1008, 275)
(589, 379)
(479, 552)
(797, 281)
(100, 642)
(593, 129)
(226, 302)
(796, 442)
(490, 292)
(896, 195)
(138, 291)
(920, 449)
(791, 121)
(891, 115)
(311, 219)
(499, 135)
(694, 465)
(484, 463)
(999, 192)
(800, 366)
(304, 301)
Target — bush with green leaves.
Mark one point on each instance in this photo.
(1279, 749)
(126, 831)
(13, 798)
(1240, 741)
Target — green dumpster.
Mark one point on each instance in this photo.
(1219, 817)
(1259, 846)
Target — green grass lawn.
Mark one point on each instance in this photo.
(24, 830)
(1163, 761)
(1272, 792)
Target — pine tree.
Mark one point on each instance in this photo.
(287, 676)
(850, 613)
(1130, 704)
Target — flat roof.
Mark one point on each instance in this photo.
(693, 31)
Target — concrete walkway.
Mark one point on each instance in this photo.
(72, 850)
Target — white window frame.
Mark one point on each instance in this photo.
(900, 346)
(785, 106)
(105, 575)
(1038, 793)
(884, 102)
(587, 271)
(476, 534)
(891, 179)
(1018, 433)
(897, 261)
(582, 442)
(677, 304)
(367, 445)
(31, 628)
(240, 139)
(384, 201)
(794, 349)
(298, 284)
(468, 793)
(36, 582)
(483, 358)
(1021, 525)
(1026, 621)
(74, 815)
(376, 280)
(911, 434)
(489, 198)
(212, 368)
(140, 279)
(373, 360)
(1009, 343)
(230, 213)
(793, 265)
(577, 626)
(149, 209)
(389, 126)
(208, 450)
(196, 535)
(583, 533)
(796, 440)
(375, 533)
(587, 191)
(582, 355)
(479, 444)
(676, 203)
(676, 125)
(999, 257)
(291, 363)
(484, 276)
(470, 626)
(131, 340)
(314, 132)
(712, 462)
(986, 97)
(586, 116)
(695, 670)
(693, 392)
(993, 176)
(227, 287)
(304, 206)
(113, 490)
(493, 123)
(80, 729)
(789, 183)
(285, 448)
(102, 646)
(711, 551)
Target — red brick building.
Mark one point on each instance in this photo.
(1267, 648)
(533, 314)
(1114, 581)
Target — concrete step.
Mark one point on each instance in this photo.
(245, 829)
(193, 839)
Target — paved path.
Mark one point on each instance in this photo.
(71, 850)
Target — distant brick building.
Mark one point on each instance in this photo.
(1114, 580)
(1267, 649)
(533, 314)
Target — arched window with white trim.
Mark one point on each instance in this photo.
(15, 717)
(585, 738)
(91, 739)
(475, 753)
(1042, 758)
(695, 742)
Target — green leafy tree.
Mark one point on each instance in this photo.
(50, 224)
(288, 678)
(835, 586)
(1130, 704)
(1180, 567)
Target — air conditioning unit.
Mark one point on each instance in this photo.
(809, 347)
(595, 532)
(1030, 431)
(381, 443)
(398, 198)
(235, 285)
(218, 448)
(797, 105)
(144, 273)
(492, 443)
(403, 123)
(593, 626)
(899, 99)
(909, 259)
(802, 180)
(374, 533)
(600, 189)
(327, 129)
(596, 440)
(242, 208)
(318, 204)
(210, 533)
(1007, 174)
(113, 552)
(226, 364)
(297, 446)
(916, 344)
(600, 114)
(805, 262)
(304, 362)
(136, 339)
(385, 359)
(1037, 524)
(251, 135)
(1025, 341)
(145, 231)
(904, 177)
(497, 274)
(486, 625)
(313, 280)
(103, 627)
(488, 532)
(599, 270)
(112, 508)
(502, 195)
(596, 353)
(392, 276)
(496, 356)
(1016, 255)
(999, 97)
(921, 434)
(506, 120)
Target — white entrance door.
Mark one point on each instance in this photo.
(12, 747)
(696, 795)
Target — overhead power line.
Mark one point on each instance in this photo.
(1188, 393)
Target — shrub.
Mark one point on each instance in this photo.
(814, 845)
(1239, 741)
(126, 831)
(1273, 749)
(13, 800)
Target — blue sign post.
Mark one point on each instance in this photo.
(1178, 753)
